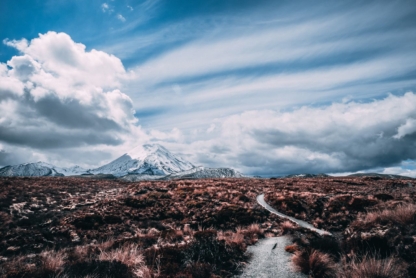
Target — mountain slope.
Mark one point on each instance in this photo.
(150, 159)
(204, 173)
(38, 169)
(71, 171)
(377, 175)
(307, 175)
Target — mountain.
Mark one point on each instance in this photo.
(306, 175)
(204, 173)
(149, 159)
(377, 175)
(147, 162)
(38, 169)
(71, 171)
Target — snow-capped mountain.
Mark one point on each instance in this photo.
(147, 162)
(204, 173)
(149, 159)
(37, 169)
(71, 171)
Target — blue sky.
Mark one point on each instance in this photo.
(223, 83)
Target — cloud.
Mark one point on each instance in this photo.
(341, 137)
(406, 129)
(104, 7)
(121, 18)
(55, 95)
(252, 61)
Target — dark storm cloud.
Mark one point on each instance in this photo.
(42, 138)
(73, 114)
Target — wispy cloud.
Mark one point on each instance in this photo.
(121, 18)
(105, 7)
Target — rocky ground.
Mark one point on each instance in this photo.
(73, 227)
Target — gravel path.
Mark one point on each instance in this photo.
(260, 200)
(269, 259)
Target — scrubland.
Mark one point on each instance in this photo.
(72, 227)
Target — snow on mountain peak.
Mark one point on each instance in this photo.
(150, 159)
(141, 152)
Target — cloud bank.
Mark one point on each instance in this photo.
(341, 137)
(56, 95)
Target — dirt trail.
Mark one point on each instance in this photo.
(262, 202)
(270, 260)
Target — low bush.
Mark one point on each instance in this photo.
(315, 263)
(371, 267)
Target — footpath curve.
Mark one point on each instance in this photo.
(301, 223)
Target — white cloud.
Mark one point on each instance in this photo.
(121, 18)
(211, 128)
(105, 7)
(20, 45)
(406, 129)
(56, 95)
(341, 137)
(130, 7)
(175, 135)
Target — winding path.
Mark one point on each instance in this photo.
(270, 260)
(262, 202)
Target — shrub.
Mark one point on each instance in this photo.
(287, 226)
(327, 245)
(128, 255)
(95, 268)
(314, 262)
(53, 261)
(370, 267)
(402, 215)
(291, 248)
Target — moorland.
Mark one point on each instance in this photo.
(74, 227)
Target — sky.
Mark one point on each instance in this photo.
(268, 88)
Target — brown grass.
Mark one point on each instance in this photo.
(128, 254)
(314, 262)
(53, 260)
(371, 267)
(162, 219)
(287, 226)
(292, 248)
(403, 214)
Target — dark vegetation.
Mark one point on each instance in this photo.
(73, 227)
(373, 221)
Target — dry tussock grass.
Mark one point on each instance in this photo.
(403, 214)
(370, 267)
(53, 260)
(287, 226)
(315, 263)
(128, 254)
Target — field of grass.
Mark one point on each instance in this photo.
(72, 227)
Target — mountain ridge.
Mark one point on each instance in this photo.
(147, 162)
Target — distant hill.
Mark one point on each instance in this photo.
(306, 175)
(377, 175)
